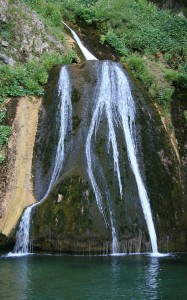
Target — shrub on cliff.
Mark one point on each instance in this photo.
(139, 29)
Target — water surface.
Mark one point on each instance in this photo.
(43, 277)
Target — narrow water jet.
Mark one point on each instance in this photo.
(126, 110)
(86, 53)
(65, 108)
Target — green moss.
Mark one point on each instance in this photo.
(185, 115)
(5, 132)
(66, 210)
(75, 96)
(99, 146)
(162, 179)
(76, 122)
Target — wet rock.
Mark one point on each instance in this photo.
(6, 244)
(75, 224)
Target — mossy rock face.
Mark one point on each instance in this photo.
(66, 219)
(163, 179)
(66, 210)
(6, 244)
(47, 135)
(179, 107)
(69, 219)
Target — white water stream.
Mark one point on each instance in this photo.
(113, 98)
(126, 110)
(65, 108)
(86, 53)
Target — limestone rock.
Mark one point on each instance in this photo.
(7, 60)
(28, 33)
(3, 11)
(4, 43)
(16, 190)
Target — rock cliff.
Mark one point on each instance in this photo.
(69, 219)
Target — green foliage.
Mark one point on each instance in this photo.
(2, 115)
(185, 115)
(5, 132)
(172, 75)
(84, 9)
(164, 97)
(141, 26)
(5, 34)
(137, 65)
(51, 11)
(182, 80)
(139, 29)
(115, 42)
(29, 79)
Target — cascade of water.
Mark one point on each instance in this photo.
(126, 110)
(113, 97)
(104, 97)
(85, 51)
(102, 101)
(65, 108)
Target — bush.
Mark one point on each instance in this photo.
(115, 42)
(165, 96)
(29, 79)
(5, 132)
(140, 28)
(138, 66)
(185, 115)
(172, 75)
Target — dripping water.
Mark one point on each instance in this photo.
(65, 108)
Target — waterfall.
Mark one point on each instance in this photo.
(104, 104)
(113, 98)
(65, 108)
(86, 53)
(126, 110)
(113, 101)
(113, 95)
(101, 102)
